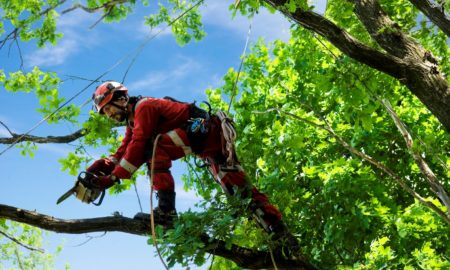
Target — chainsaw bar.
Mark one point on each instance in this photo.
(66, 195)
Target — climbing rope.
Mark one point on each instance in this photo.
(152, 219)
(155, 35)
(240, 66)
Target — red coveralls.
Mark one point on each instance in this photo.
(154, 116)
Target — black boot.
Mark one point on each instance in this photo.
(282, 235)
(165, 212)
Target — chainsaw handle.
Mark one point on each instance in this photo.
(100, 200)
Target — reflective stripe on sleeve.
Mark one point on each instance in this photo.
(179, 142)
(127, 166)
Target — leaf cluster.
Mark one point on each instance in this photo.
(345, 211)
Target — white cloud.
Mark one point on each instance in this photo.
(157, 79)
(52, 56)
(75, 26)
(58, 149)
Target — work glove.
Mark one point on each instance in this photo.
(103, 166)
(107, 181)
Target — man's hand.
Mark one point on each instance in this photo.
(88, 189)
(107, 181)
(102, 166)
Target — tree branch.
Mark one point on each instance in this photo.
(342, 39)
(15, 32)
(20, 243)
(243, 257)
(405, 59)
(435, 13)
(95, 9)
(435, 185)
(369, 159)
(385, 31)
(49, 139)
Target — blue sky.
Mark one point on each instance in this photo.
(163, 68)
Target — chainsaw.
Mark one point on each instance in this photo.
(89, 180)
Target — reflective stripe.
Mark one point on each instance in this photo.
(179, 142)
(127, 166)
(222, 174)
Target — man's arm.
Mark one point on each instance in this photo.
(145, 119)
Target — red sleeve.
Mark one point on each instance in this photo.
(123, 146)
(145, 120)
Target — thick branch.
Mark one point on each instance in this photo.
(49, 139)
(435, 13)
(386, 32)
(244, 257)
(405, 60)
(342, 39)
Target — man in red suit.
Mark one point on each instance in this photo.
(184, 129)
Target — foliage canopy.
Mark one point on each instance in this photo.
(323, 135)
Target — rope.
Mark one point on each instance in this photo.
(272, 258)
(159, 32)
(152, 219)
(240, 65)
(137, 195)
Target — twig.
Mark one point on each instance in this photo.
(272, 258)
(20, 54)
(20, 243)
(89, 239)
(212, 262)
(10, 132)
(16, 252)
(137, 195)
(93, 10)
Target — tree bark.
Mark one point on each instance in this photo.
(435, 13)
(243, 257)
(403, 58)
(17, 138)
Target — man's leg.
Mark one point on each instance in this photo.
(266, 214)
(170, 146)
